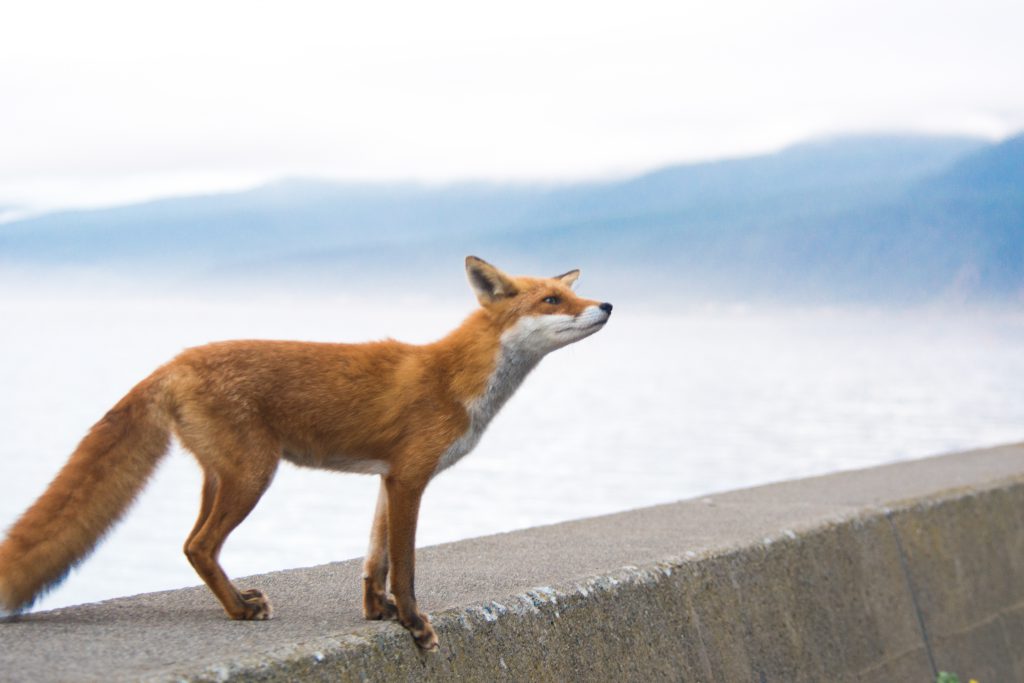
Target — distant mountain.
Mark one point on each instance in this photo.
(871, 228)
(955, 235)
(277, 219)
(969, 222)
(883, 217)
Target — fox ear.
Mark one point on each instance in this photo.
(489, 284)
(568, 279)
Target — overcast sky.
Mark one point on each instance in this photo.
(107, 101)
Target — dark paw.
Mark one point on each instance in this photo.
(256, 606)
(422, 632)
(378, 606)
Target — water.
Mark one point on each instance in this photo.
(656, 407)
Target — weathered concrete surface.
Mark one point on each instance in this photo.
(885, 574)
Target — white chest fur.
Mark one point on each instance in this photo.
(515, 361)
(522, 347)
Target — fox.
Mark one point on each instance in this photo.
(400, 411)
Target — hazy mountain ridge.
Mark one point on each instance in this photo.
(904, 217)
(909, 232)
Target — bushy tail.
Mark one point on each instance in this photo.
(90, 493)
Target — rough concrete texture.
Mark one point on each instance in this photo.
(885, 574)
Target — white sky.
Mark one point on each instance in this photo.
(108, 101)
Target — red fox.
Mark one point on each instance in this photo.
(401, 411)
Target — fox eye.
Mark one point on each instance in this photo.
(552, 300)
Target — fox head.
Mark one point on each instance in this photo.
(536, 314)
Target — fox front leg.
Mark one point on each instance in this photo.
(376, 603)
(403, 504)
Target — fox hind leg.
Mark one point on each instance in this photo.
(227, 500)
(209, 492)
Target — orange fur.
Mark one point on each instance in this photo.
(384, 407)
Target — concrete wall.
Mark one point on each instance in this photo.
(886, 574)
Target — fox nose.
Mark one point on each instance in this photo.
(606, 307)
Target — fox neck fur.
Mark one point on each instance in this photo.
(514, 360)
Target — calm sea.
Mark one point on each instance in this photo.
(656, 407)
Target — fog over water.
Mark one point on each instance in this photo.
(663, 404)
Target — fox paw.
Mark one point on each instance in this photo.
(256, 606)
(378, 606)
(422, 632)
